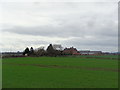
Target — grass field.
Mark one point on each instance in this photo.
(59, 72)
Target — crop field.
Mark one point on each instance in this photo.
(59, 72)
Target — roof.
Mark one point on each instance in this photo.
(90, 51)
(70, 48)
(12, 52)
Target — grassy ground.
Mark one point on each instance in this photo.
(24, 73)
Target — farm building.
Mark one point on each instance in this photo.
(71, 50)
(10, 54)
(88, 52)
(85, 52)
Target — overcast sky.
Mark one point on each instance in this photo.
(88, 25)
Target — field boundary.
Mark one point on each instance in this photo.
(73, 67)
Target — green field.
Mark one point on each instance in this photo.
(59, 72)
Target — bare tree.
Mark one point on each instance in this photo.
(40, 51)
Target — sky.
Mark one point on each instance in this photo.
(83, 24)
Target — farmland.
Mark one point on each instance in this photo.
(60, 72)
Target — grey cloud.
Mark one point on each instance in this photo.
(37, 42)
(73, 22)
(72, 27)
(95, 41)
(103, 44)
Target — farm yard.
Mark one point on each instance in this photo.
(60, 72)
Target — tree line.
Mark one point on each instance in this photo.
(50, 51)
